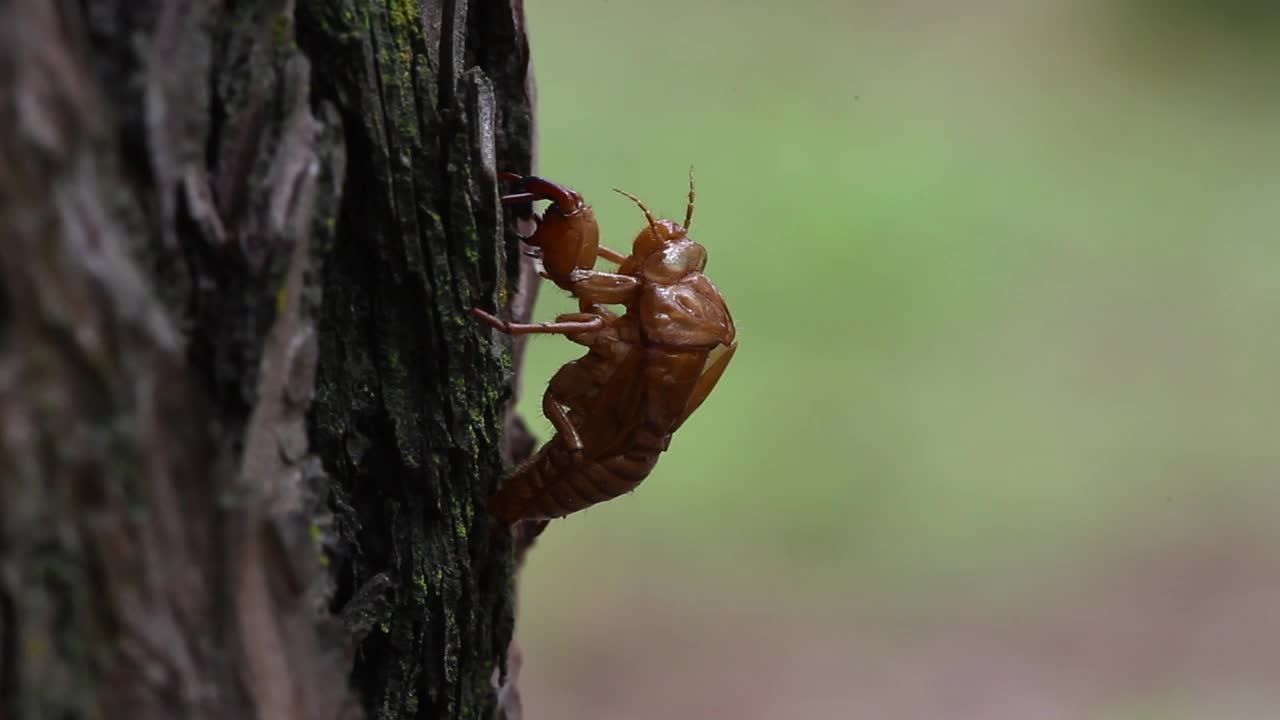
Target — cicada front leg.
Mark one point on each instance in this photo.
(610, 254)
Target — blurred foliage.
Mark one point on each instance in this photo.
(1248, 19)
(1005, 281)
(1001, 288)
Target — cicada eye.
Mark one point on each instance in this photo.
(693, 257)
(646, 242)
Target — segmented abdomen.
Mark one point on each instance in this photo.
(553, 483)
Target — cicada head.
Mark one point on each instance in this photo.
(663, 251)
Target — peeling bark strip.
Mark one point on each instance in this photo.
(412, 394)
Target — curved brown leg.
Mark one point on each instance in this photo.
(568, 327)
(610, 254)
(517, 198)
(560, 421)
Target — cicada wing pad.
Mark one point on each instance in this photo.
(717, 361)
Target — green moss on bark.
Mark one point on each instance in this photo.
(411, 393)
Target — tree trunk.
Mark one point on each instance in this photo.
(246, 423)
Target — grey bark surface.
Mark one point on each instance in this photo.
(246, 425)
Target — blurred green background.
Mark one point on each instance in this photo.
(1000, 439)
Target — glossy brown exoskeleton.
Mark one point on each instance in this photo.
(614, 409)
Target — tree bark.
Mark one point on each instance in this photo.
(246, 424)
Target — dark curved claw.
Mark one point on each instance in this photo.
(519, 198)
(567, 200)
(516, 198)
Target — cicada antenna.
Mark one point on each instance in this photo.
(653, 224)
(688, 213)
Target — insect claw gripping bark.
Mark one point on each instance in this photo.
(645, 371)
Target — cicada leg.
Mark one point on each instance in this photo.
(610, 254)
(560, 421)
(567, 327)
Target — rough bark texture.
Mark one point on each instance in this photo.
(246, 426)
(410, 402)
